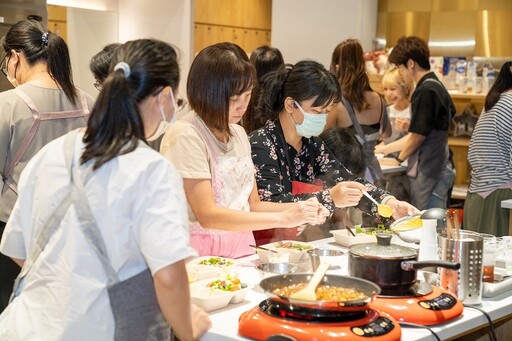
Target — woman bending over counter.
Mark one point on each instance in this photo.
(212, 154)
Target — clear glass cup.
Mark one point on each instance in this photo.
(490, 252)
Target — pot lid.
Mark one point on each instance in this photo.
(383, 249)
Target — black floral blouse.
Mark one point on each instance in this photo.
(313, 164)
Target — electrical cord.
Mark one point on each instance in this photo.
(494, 337)
(415, 325)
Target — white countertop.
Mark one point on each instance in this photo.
(506, 203)
(225, 321)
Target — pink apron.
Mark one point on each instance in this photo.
(232, 183)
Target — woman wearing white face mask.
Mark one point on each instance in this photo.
(291, 162)
(155, 139)
(44, 105)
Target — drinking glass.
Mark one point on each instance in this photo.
(490, 252)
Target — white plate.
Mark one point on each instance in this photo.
(212, 299)
(292, 255)
(197, 271)
(344, 238)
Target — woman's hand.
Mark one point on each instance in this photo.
(402, 124)
(306, 212)
(322, 212)
(200, 321)
(401, 208)
(381, 149)
(347, 193)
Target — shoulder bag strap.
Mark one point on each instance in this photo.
(360, 133)
(47, 230)
(88, 223)
(384, 113)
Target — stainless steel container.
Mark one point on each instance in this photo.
(466, 282)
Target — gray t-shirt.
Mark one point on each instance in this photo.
(15, 121)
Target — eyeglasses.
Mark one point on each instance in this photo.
(3, 66)
(97, 85)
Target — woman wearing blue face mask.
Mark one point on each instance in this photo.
(291, 162)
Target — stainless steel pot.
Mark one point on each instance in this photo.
(369, 289)
(390, 266)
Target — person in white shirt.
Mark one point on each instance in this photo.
(137, 203)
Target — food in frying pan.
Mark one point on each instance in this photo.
(324, 292)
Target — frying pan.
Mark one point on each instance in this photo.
(368, 288)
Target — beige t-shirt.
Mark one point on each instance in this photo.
(188, 151)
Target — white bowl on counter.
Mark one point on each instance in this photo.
(284, 254)
(197, 271)
(213, 299)
(344, 238)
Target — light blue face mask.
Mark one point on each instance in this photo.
(313, 124)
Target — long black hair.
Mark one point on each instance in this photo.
(100, 62)
(115, 125)
(305, 80)
(503, 83)
(264, 59)
(38, 44)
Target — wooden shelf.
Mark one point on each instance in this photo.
(468, 95)
(459, 141)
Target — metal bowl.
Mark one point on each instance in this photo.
(326, 252)
(270, 269)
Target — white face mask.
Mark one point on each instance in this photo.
(164, 124)
(313, 124)
(14, 82)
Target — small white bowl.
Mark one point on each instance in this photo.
(198, 272)
(239, 295)
(287, 254)
(344, 238)
(210, 299)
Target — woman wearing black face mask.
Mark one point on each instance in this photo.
(291, 162)
(43, 106)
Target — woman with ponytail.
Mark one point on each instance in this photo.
(114, 212)
(44, 105)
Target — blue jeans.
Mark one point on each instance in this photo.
(439, 196)
(428, 193)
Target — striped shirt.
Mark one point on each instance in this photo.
(490, 149)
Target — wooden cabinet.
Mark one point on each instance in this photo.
(245, 23)
(57, 20)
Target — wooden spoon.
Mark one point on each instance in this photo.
(383, 210)
(309, 292)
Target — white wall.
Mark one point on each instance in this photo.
(99, 5)
(312, 29)
(88, 32)
(170, 21)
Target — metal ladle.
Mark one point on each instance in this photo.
(383, 210)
